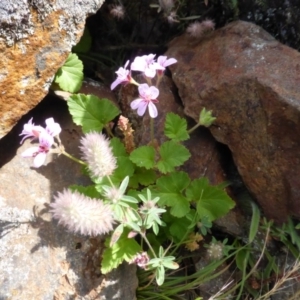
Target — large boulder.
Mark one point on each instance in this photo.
(205, 158)
(38, 258)
(35, 40)
(251, 82)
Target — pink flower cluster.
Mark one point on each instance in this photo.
(149, 68)
(45, 137)
(141, 259)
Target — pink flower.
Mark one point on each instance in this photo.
(141, 259)
(82, 214)
(164, 62)
(39, 153)
(146, 64)
(148, 97)
(124, 77)
(52, 128)
(31, 130)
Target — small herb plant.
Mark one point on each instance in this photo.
(135, 191)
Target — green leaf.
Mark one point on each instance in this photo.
(172, 155)
(169, 263)
(91, 112)
(85, 43)
(180, 228)
(290, 229)
(241, 259)
(254, 222)
(143, 176)
(89, 191)
(211, 201)
(170, 190)
(124, 249)
(116, 234)
(125, 168)
(160, 275)
(143, 157)
(69, 77)
(118, 147)
(176, 128)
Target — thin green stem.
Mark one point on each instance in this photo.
(152, 131)
(109, 179)
(193, 128)
(147, 242)
(245, 277)
(183, 238)
(109, 131)
(74, 158)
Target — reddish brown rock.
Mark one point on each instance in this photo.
(204, 161)
(205, 158)
(251, 82)
(35, 40)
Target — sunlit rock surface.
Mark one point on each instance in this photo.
(251, 82)
(35, 40)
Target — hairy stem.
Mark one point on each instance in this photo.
(148, 243)
(74, 158)
(193, 128)
(152, 131)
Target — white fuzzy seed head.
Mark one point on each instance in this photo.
(208, 25)
(198, 29)
(82, 214)
(195, 29)
(118, 12)
(97, 153)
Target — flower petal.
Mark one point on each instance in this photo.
(154, 92)
(139, 64)
(170, 61)
(115, 83)
(135, 103)
(39, 159)
(150, 71)
(46, 140)
(31, 130)
(142, 108)
(163, 61)
(30, 152)
(122, 76)
(152, 110)
(52, 128)
(143, 90)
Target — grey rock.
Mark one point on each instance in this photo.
(38, 258)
